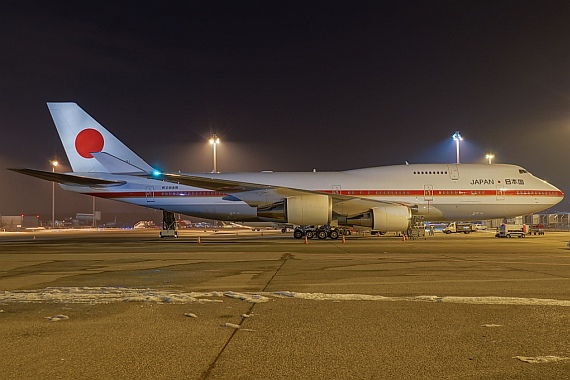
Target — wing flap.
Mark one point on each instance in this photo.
(254, 194)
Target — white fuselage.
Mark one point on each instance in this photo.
(435, 191)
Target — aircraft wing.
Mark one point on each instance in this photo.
(256, 195)
(68, 179)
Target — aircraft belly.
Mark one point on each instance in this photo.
(470, 211)
(207, 208)
(233, 212)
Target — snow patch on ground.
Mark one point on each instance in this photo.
(253, 298)
(59, 317)
(540, 359)
(507, 301)
(98, 295)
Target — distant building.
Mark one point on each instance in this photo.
(10, 223)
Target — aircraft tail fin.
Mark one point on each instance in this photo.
(82, 136)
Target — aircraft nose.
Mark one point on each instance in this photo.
(558, 195)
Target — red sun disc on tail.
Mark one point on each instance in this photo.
(88, 141)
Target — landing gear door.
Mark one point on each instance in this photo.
(149, 193)
(453, 172)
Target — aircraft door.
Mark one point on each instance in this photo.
(428, 193)
(453, 172)
(149, 193)
(500, 193)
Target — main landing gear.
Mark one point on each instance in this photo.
(169, 226)
(321, 232)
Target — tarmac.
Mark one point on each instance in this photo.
(238, 304)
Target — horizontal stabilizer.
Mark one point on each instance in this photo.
(68, 179)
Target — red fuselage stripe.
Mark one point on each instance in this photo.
(389, 193)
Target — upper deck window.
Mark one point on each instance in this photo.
(522, 171)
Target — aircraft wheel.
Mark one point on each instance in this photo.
(309, 234)
(322, 235)
(297, 234)
(334, 235)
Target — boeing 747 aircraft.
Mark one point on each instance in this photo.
(387, 198)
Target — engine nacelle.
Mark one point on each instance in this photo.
(381, 218)
(304, 210)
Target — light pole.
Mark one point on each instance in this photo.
(490, 157)
(457, 137)
(53, 166)
(215, 140)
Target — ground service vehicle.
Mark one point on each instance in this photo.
(455, 227)
(511, 230)
(537, 229)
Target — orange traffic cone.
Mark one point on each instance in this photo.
(199, 242)
(306, 240)
(343, 239)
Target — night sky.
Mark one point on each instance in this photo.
(286, 85)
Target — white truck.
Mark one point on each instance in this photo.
(455, 227)
(512, 230)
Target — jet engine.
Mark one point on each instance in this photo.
(308, 209)
(381, 218)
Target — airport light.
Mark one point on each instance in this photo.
(490, 157)
(215, 140)
(53, 166)
(457, 137)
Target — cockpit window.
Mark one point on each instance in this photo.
(522, 171)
